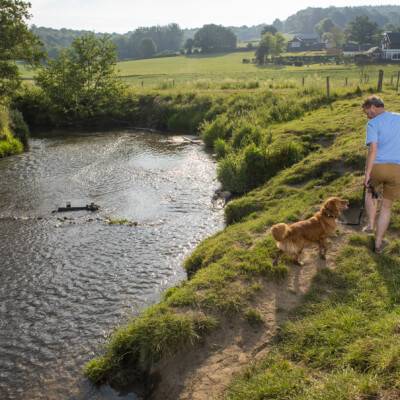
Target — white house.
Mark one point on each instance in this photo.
(391, 46)
(305, 42)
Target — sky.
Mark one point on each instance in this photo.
(126, 15)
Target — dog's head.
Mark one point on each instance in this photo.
(333, 207)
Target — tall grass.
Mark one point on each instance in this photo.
(9, 144)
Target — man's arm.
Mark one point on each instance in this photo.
(372, 150)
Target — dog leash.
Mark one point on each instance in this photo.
(362, 208)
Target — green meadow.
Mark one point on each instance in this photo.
(227, 72)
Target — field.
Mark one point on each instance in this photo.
(227, 72)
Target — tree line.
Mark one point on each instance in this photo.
(304, 21)
(359, 31)
(140, 43)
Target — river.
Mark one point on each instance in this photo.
(66, 283)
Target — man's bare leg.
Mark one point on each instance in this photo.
(371, 206)
(383, 222)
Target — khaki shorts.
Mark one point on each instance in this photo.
(385, 179)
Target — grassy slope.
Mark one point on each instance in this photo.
(231, 265)
(9, 145)
(343, 342)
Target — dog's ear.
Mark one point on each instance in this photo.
(330, 208)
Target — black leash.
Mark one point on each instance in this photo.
(362, 208)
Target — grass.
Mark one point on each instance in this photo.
(344, 339)
(9, 145)
(226, 73)
(120, 221)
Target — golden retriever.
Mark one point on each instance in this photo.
(291, 239)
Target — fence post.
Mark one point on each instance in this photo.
(391, 80)
(142, 83)
(328, 87)
(380, 80)
(397, 83)
(302, 81)
(346, 80)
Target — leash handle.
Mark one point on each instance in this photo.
(362, 205)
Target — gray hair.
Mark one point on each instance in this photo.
(373, 101)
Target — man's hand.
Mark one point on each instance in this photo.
(366, 180)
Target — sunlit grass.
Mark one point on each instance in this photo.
(219, 72)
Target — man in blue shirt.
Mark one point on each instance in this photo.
(382, 170)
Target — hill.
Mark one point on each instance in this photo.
(305, 20)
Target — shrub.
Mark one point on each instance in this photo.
(219, 128)
(35, 107)
(284, 110)
(253, 165)
(246, 134)
(231, 174)
(221, 148)
(19, 127)
(253, 317)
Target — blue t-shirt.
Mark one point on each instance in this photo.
(384, 129)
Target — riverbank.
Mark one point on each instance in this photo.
(229, 272)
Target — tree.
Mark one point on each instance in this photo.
(147, 47)
(211, 38)
(278, 24)
(324, 26)
(335, 38)
(392, 28)
(269, 28)
(189, 44)
(17, 43)
(270, 45)
(363, 30)
(82, 81)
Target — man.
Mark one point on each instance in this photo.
(382, 170)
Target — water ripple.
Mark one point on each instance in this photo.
(65, 284)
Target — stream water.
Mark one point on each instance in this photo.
(66, 283)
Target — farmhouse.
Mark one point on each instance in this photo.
(305, 42)
(391, 46)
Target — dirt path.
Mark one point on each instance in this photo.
(204, 372)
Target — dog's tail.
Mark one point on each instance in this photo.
(280, 231)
